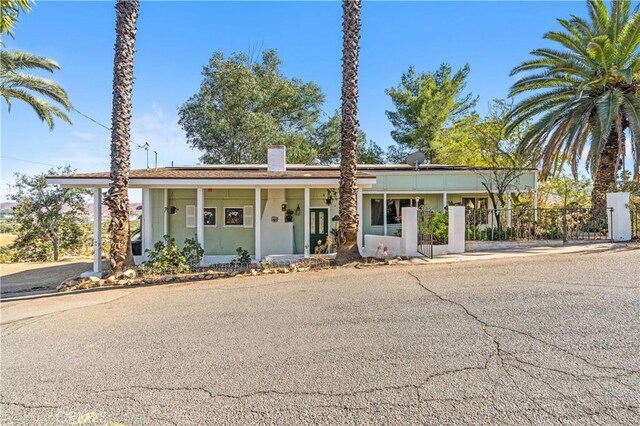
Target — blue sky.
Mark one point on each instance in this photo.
(175, 39)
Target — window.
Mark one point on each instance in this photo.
(210, 216)
(234, 216)
(475, 203)
(394, 209)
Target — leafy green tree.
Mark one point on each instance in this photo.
(49, 218)
(243, 106)
(584, 93)
(16, 80)
(426, 104)
(326, 143)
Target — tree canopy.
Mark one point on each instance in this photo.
(426, 104)
(583, 93)
(48, 216)
(244, 105)
(326, 143)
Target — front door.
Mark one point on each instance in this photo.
(319, 228)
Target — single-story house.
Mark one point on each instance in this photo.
(279, 208)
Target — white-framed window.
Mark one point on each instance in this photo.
(210, 216)
(191, 216)
(234, 216)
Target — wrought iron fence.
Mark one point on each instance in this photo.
(433, 229)
(565, 224)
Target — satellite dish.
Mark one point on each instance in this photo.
(415, 159)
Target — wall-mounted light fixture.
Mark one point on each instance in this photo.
(298, 210)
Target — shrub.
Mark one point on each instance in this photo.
(167, 257)
(192, 252)
(243, 258)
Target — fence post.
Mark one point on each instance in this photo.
(619, 221)
(456, 229)
(410, 231)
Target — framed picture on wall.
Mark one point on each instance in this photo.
(209, 216)
(234, 216)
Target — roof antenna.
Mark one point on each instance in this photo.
(155, 154)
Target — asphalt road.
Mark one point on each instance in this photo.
(540, 340)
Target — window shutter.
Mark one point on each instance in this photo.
(248, 216)
(191, 216)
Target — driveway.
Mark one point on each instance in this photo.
(539, 340)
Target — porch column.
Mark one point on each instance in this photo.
(444, 201)
(257, 215)
(508, 210)
(360, 218)
(200, 216)
(307, 213)
(384, 212)
(97, 230)
(165, 228)
(147, 229)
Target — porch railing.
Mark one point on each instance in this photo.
(564, 224)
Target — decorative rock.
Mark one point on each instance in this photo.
(129, 273)
(201, 276)
(89, 274)
(93, 279)
(110, 279)
(167, 279)
(285, 270)
(61, 287)
(208, 277)
(122, 282)
(254, 272)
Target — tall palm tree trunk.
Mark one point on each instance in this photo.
(348, 244)
(605, 176)
(117, 199)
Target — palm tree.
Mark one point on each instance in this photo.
(117, 198)
(348, 241)
(16, 84)
(585, 93)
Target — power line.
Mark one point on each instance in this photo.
(108, 128)
(4, 157)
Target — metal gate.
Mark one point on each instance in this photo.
(425, 232)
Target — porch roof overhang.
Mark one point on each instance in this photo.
(190, 177)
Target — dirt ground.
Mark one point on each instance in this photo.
(24, 277)
(6, 239)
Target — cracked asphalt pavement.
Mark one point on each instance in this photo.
(543, 340)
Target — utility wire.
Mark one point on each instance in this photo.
(5, 157)
(108, 128)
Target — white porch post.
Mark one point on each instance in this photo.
(359, 203)
(147, 228)
(384, 212)
(444, 201)
(97, 230)
(307, 213)
(165, 228)
(508, 209)
(200, 216)
(257, 217)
